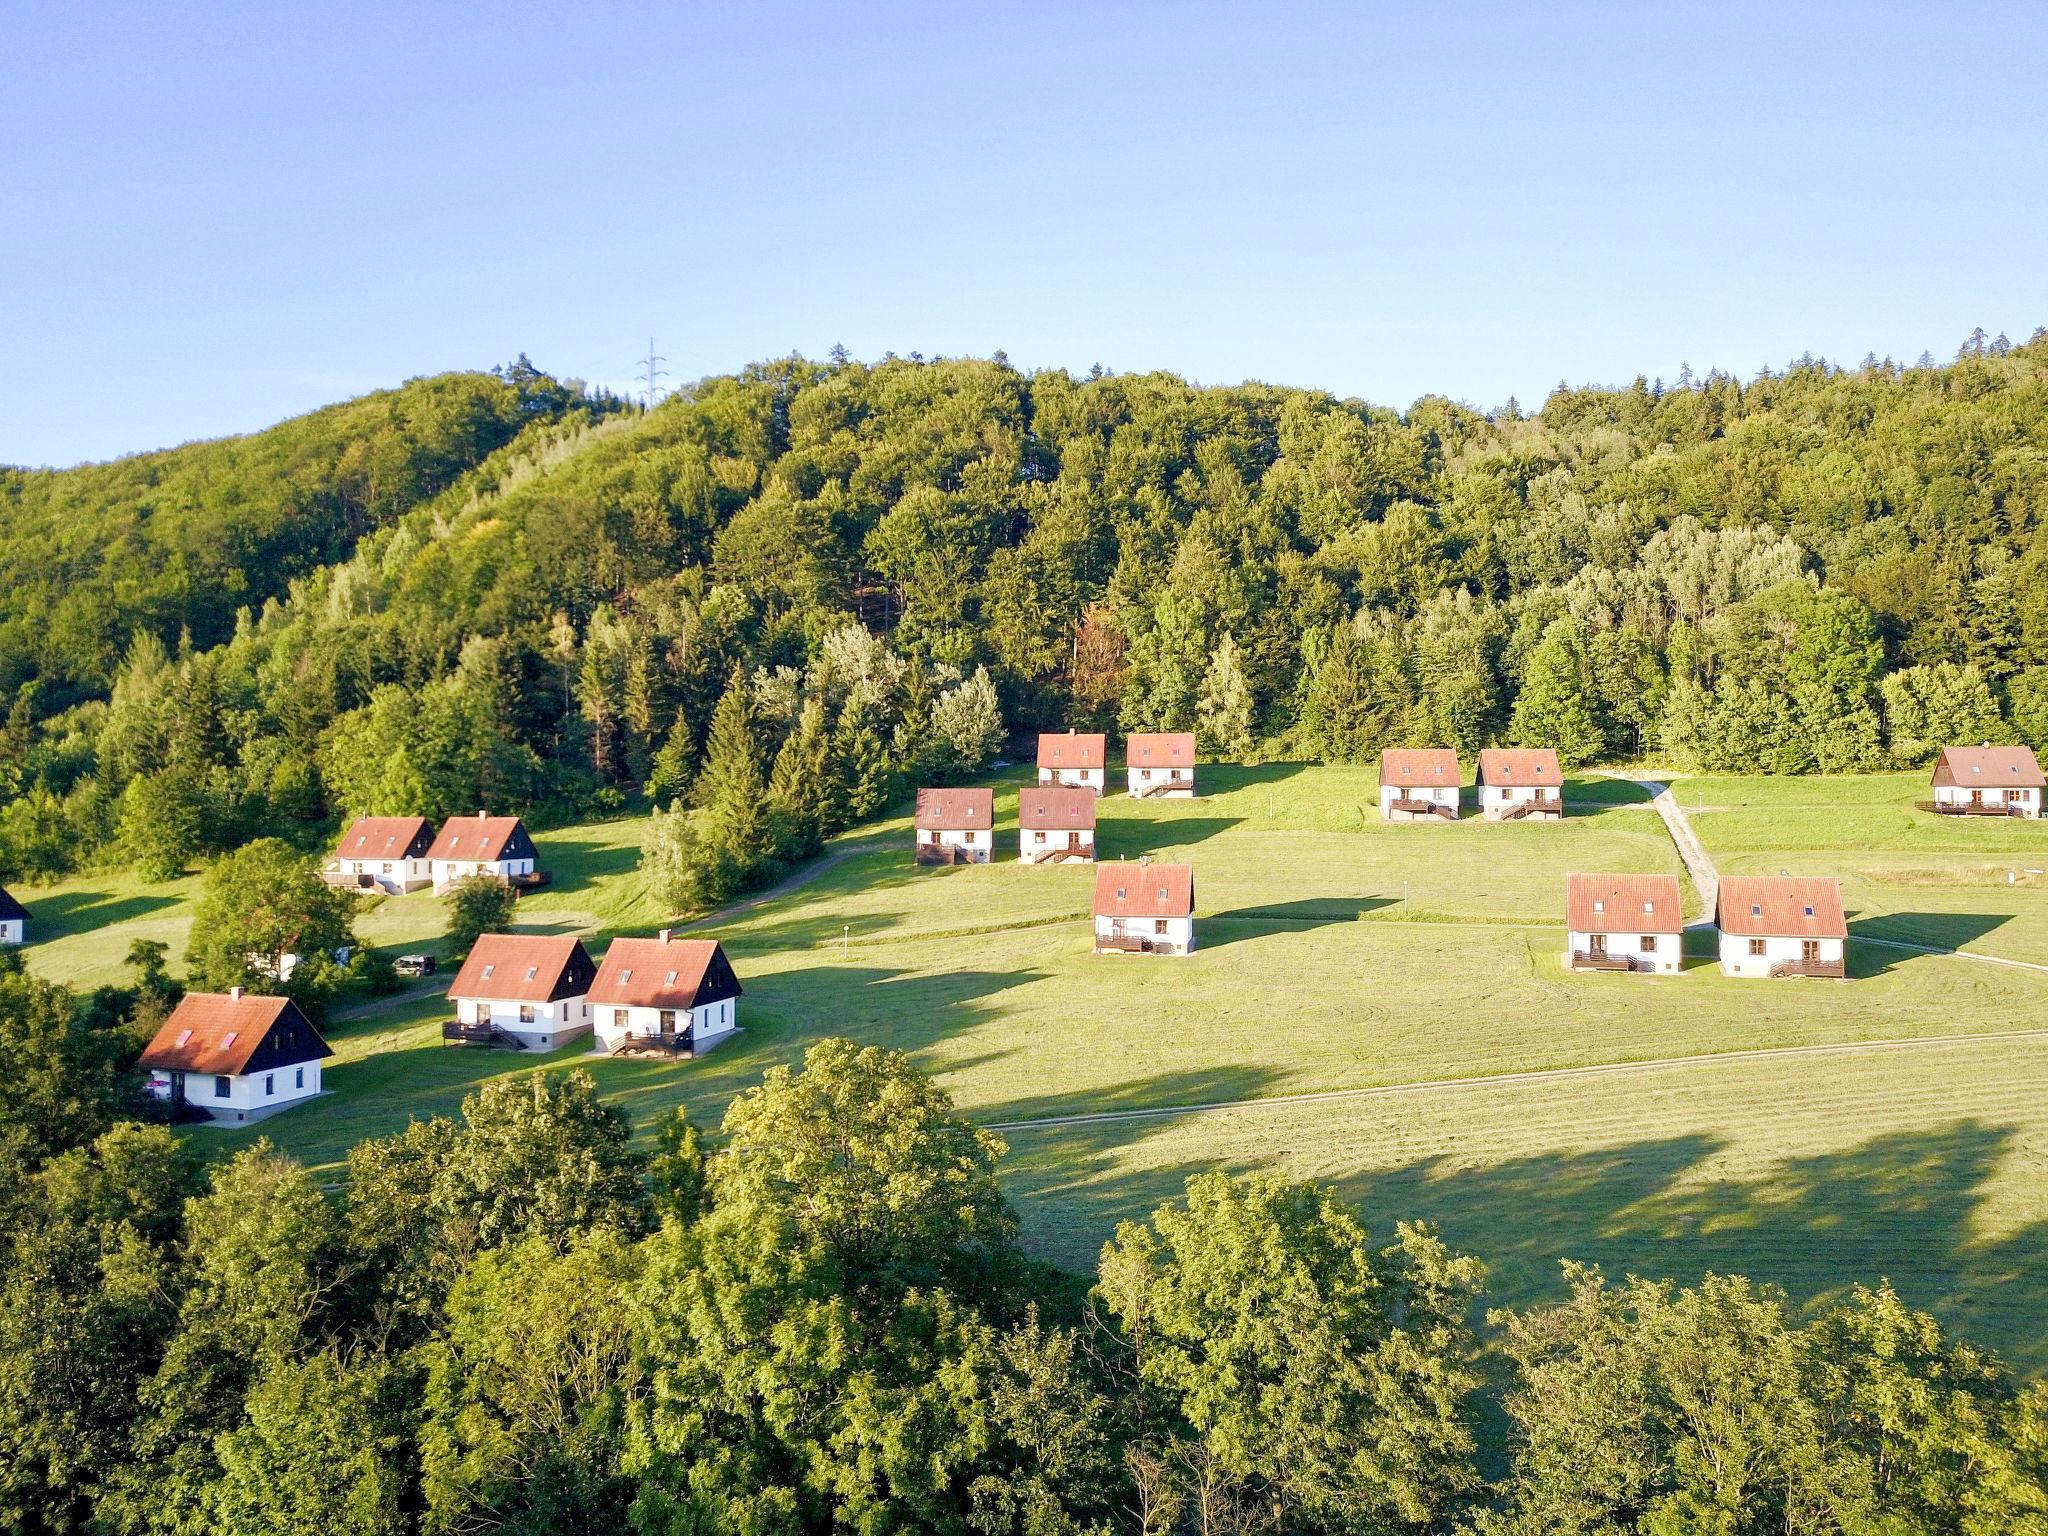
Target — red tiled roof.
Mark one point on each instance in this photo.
(1072, 749)
(525, 968)
(1144, 890)
(1519, 767)
(386, 837)
(1988, 767)
(217, 1032)
(1160, 749)
(1055, 808)
(1622, 904)
(956, 810)
(1420, 768)
(663, 973)
(482, 838)
(1782, 906)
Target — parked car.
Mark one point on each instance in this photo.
(414, 965)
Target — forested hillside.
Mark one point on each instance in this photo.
(486, 590)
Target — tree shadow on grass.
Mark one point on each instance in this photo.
(67, 912)
(1222, 778)
(1901, 1206)
(1596, 796)
(1243, 923)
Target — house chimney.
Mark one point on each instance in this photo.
(235, 993)
(665, 934)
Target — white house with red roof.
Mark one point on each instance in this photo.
(1056, 825)
(1077, 759)
(482, 845)
(1623, 923)
(528, 991)
(1144, 908)
(671, 996)
(955, 826)
(1516, 783)
(385, 853)
(1419, 784)
(235, 1056)
(13, 920)
(1160, 765)
(1782, 925)
(1988, 781)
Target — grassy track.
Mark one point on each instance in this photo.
(1338, 953)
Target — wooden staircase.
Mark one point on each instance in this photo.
(1407, 807)
(459, 1033)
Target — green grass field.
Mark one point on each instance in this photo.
(1338, 954)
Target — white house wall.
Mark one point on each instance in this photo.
(1736, 959)
(1666, 960)
(551, 1024)
(246, 1097)
(12, 931)
(448, 871)
(1180, 783)
(1037, 843)
(393, 876)
(710, 1023)
(1389, 793)
(981, 842)
(1073, 778)
(2026, 801)
(1179, 931)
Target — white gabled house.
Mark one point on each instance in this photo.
(1520, 782)
(384, 853)
(1076, 759)
(235, 1056)
(1419, 784)
(483, 845)
(1782, 925)
(1160, 765)
(1987, 781)
(955, 826)
(1055, 825)
(675, 997)
(13, 920)
(1623, 923)
(528, 991)
(1144, 908)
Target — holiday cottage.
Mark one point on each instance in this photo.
(1623, 923)
(385, 853)
(1418, 784)
(527, 991)
(1161, 765)
(1519, 782)
(671, 996)
(1075, 759)
(13, 920)
(1144, 908)
(483, 845)
(1055, 825)
(235, 1056)
(1987, 781)
(1782, 925)
(955, 826)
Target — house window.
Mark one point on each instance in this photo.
(618, 1018)
(1159, 925)
(299, 1077)
(1756, 947)
(526, 1013)
(1809, 911)
(1649, 943)
(1599, 906)
(269, 1085)
(221, 1088)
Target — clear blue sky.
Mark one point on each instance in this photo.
(215, 216)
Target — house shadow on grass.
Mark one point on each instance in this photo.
(1932, 930)
(68, 912)
(1585, 797)
(1118, 837)
(1242, 923)
(578, 865)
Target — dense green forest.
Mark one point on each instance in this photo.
(493, 589)
(819, 1320)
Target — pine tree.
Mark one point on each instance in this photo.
(1223, 708)
(639, 708)
(866, 782)
(800, 788)
(730, 786)
(668, 776)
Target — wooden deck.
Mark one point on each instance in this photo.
(456, 1032)
(1964, 808)
(1827, 970)
(1406, 807)
(1585, 960)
